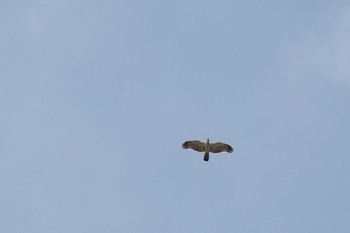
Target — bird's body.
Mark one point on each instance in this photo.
(207, 147)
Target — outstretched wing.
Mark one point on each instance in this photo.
(220, 147)
(194, 145)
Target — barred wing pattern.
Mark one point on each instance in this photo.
(207, 147)
(194, 145)
(220, 147)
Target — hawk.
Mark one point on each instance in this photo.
(207, 147)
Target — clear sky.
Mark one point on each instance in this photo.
(97, 97)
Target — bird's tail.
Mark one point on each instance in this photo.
(206, 156)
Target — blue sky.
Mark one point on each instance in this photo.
(97, 97)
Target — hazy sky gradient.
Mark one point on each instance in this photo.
(97, 97)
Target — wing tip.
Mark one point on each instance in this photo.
(230, 149)
(184, 145)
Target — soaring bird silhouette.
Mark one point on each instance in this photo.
(207, 147)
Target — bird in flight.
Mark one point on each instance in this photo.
(207, 147)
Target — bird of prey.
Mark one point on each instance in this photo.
(207, 147)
